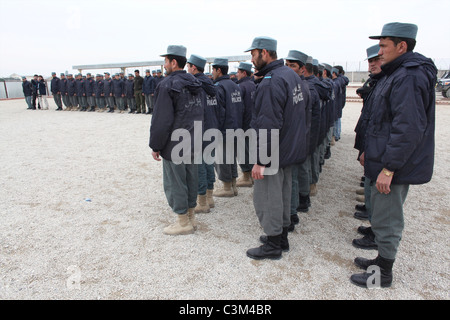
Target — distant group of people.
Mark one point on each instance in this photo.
(102, 93)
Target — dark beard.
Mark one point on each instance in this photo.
(259, 63)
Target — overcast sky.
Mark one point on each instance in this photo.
(50, 35)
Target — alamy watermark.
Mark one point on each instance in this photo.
(262, 145)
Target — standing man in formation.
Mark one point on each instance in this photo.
(118, 89)
(399, 145)
(130, 84)
(178, 104)
(230, 101)
(206, 176)
(248, 88)
(279, 107)
(148, 91)
(63, 90)
(139, 102)
(56, 92)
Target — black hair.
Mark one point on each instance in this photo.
(200, 69)
(136, 71)
(223, 69)
(341, 70)
(315, 70)
(309, 67)
(272, 54)
(248, 73)
(410, 43)
(300, 64)
(181, 61)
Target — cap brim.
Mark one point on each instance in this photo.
(372, 56)
(375, 37)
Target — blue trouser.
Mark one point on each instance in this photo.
(367, 195)
(180, 185)
(387, 218)
(271, 199)
(337, 129)
(28, 101)
(301, 182)
(206, 177)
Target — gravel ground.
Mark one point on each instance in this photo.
(82, 211)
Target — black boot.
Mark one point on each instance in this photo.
(303, 203)
(361, 207)
(361, 215)
(364, 230)
(367, 242)
(269, 250)
(111, 110)
(284, 243)
(385, 281)
(328, 153)
(92, 109)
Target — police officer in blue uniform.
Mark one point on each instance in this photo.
(108, 92)
(63, 90)
(119, 92)
(399, 146)
(129, 93)
(148, 90)
(72, 92)
(230, 100)
(89, 84)
(81, 92)
(178, 104)
(55, 90)
(206, 176)
(279, 105)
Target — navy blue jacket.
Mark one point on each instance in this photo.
(331, 105)
(63, 86)
(54, 85)
(248, 89)
(79, 87)
(27, 88)
(158, 80)
(42, 88)
(338, 98)
(99, 88)
(315, 114)
(178, 103)
(400, 133)
(34, 85)
(229, 99)
(89, 86)
(325, 91)
(107, 87)
(280, 104)
(71, 87)
(129, 88)
(118, 88)
(149, 85)
(212, 110)
(361, 126)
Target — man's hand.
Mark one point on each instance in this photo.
(384, 183)
(156, 156)
(258, 172)
(361, 159)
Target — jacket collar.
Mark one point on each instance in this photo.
(227, 76)
(390, 67)
(269, 67)
(244, 79)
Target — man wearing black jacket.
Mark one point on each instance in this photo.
(27, 92)
(229, 100)
(178, 105)
(399, 145)
(280, 115)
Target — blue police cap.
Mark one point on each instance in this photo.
(297, 56)
(175, 50)
(245, 66)
(220, 62)
(107, 73)
(315, 62)
(372, 52)
(197, 60)
(398, 29)
(334, 70)
(263, 43)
